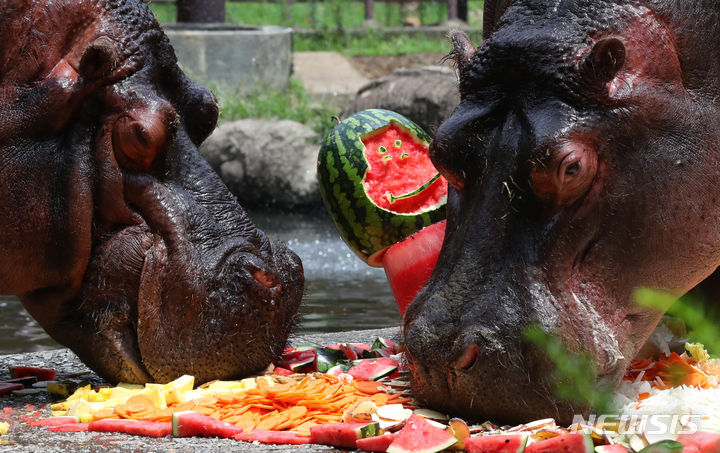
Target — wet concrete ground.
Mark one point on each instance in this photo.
(23, 438)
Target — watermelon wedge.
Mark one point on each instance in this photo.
(373, 369)
(42, 374)
(419, 436)
(273, 437)
(499, 443)
(54, 421)
(70, 428)
(376, 443)
(342, 434)
(566, 443)
(409, 263)
(8, 387)
(189, 423)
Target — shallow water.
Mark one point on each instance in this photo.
(341, 291)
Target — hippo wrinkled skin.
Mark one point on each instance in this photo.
(583, 160)
(117, 237)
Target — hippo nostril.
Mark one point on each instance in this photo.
(468, 358)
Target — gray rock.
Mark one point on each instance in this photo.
(266, 162)
(427, 95)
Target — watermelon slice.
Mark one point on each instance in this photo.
(300, 360)
(54, 421)
(8, 387)
(419, 436)
(376, 443)
(566, 443)
(190, 423)
(700, 442)
(42, 374)
(499, 443)
(273, 437)
(342, 434)
(136, 427)
(373, 369)
(409, 263)
(70, 428)
(377, 181)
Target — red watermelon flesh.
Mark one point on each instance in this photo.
(401, 177)
(54, 421)
(501, 443)
(700, 442)
(373, 369)
(70, 428)
(419, 436)
(273, 437)
(190, 423)
(136, 427)
(342, 434)
(566, 443)
(42, 374)
(377, 443)
(409, 263)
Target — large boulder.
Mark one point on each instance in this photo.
(266, 163)
(426, 95)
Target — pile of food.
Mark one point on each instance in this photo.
(358, 396)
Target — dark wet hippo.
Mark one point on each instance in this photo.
(584, 159)
(117, 236)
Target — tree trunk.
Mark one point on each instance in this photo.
(203, 11)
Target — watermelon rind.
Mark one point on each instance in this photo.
(367, 228)
(664, 446)
(373, 369)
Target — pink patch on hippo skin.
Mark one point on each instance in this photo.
(263, 277)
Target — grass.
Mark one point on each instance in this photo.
(328, 15)
(293, 103)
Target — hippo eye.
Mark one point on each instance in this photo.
(573, 169)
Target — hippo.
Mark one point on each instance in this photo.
(582, 160)
(116, 235)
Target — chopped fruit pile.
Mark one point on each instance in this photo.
(357, 396)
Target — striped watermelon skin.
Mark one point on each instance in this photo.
(367, 228)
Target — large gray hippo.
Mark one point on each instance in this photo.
(584, 160)
(115, 234)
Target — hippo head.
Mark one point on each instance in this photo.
(117, 236)
(582, 159)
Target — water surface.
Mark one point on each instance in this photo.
(341, 291)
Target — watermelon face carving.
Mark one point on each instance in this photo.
(378, 183)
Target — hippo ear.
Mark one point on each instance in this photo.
(492, 12)
(603, 63)
(463, 50)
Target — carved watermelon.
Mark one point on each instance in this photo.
(377, 181)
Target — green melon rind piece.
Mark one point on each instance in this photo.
(664, 446)
(367, 228)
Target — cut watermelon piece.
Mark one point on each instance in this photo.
(26, 381)
(135, 427)
(377, 181)
(190, 423)
(376, 443)
(419, 436)
(273, 437)
(70, 428)
(54, 421)
(8, 387)
(700, 442)
(373, 369)
(300, 360)
(500, 443)
(566, 443)
(409, 263)
(342, 434)
(384, 343)
(42, 374)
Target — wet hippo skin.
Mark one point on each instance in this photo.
(116, 235)
(584, 159)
